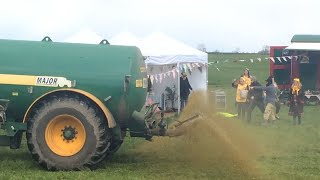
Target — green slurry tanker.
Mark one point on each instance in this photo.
(74, 101)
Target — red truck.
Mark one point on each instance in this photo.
(301, 59)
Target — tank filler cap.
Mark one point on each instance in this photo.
(104, 41)
(47, 39)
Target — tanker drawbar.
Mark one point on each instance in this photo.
(147, 123)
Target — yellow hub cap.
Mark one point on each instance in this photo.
(65, 135)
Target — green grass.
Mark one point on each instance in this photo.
(289, 152)
(231, 70)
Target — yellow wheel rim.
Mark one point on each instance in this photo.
(65, 135)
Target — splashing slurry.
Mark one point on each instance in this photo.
(214, 145)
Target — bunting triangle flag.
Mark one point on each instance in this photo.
(279, 59)
(284, 58)
(272, 59)
(181, 69)
(189, 66)
(160, 78)
(156, 78)
(185, 68)
(151, 79)
(174, 74)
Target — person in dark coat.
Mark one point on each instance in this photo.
(255, 98)
(296, 101)
(185, 88)
(271, 98)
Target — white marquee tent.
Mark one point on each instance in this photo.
(161, 49)
(125, 38)
(166, 58)
(85, 36)
(163, 54)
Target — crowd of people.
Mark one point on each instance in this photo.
(250, 93)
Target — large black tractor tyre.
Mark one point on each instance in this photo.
(67, 134)
(114, 147)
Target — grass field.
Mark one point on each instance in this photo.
(285, 151)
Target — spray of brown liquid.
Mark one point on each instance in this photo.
(207, 142)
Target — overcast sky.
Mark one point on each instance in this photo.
(221, 25)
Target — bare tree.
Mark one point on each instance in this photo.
(265, 50)
(216, 51)
(202, 47)
(237, 50)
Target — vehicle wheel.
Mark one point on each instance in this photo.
(67, 134)
(114, 147)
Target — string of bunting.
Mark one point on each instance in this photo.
(273, 59)
(173, 71)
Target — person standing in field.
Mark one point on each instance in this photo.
(185, 88)
(271, 98)
(241, 97)
(296, 102)
(255, 98)
(277, 103)
(247, 77)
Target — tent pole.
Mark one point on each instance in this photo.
(178, 80)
